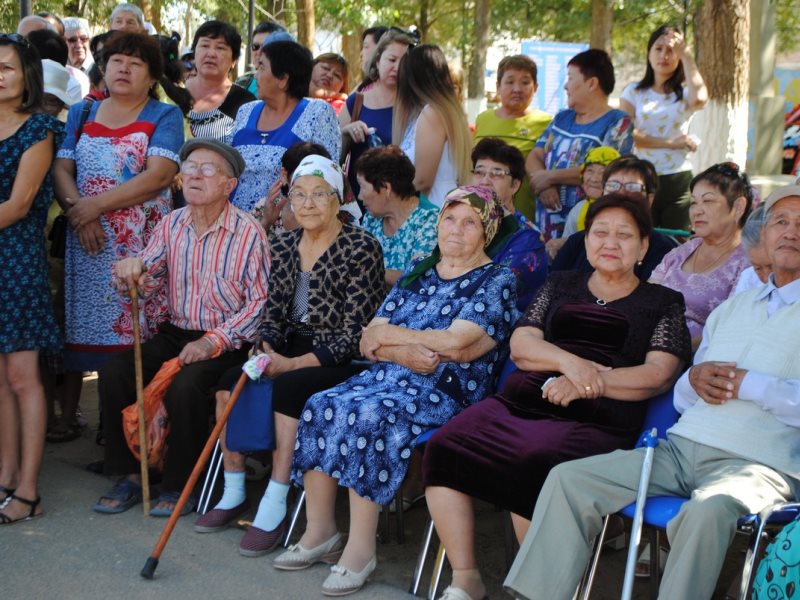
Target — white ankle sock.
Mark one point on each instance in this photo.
(233, 493)
(272, 508)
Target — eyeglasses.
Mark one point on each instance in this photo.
(78, 38)
(188, 65)
(631, 186)
(191, 169)
(16, 38)
(255, 46)
(492, 173)
(318, 198)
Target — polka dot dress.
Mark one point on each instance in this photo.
(362, 432)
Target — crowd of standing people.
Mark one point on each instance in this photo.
(390, 260)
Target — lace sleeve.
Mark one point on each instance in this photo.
(536, 313)
(671, 333)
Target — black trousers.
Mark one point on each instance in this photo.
(189, 402)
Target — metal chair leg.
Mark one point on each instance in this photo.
(298, 506)
(398, 506)
(585, 588)
(384, 522)
(427, 536)
(211, 479)
(438, 566)
(655, 562)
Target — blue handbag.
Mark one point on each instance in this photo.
(251, 424)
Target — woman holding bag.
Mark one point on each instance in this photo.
(326, 284)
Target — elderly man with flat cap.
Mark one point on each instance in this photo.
(214, 261)
(734, 450)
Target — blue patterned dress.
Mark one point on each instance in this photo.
(27, 321)
(98, 318)
(362, 432)
(310, 121)
(416, 237)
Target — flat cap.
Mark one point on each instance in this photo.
(781, 193)
(227, 152)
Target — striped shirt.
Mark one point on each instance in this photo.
(216, 283)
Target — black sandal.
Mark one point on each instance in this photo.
(8, 492)
(6, 520)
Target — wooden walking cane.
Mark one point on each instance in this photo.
(152, 562)
(137, 364)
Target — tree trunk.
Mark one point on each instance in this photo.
(351, 49)
(155, 18)
(305, 23)
(424, 20)
(602, 24)
(187, 24)
(147, 9)
(724, 60)
(477, 67)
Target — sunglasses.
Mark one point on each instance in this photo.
(16, 38)
(255, 46)
(78, 38)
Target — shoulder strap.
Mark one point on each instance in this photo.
(358, 103)
(87, 107)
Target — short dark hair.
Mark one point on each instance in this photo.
(49, 45)
(639, 211)
(629, 162)
(294, 60)
(595, 63)
(731, 182)
(388, 165)
(140, 45)
(59, 23)
(376, 33)
(502, 152)
(268, 27)
(220, 29)
(97, 41)
(519, 62)
(294, 155)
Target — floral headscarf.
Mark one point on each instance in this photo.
(483, 200)
(324, 168)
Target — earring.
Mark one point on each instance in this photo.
(638, 263)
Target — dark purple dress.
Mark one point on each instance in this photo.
(502, 448)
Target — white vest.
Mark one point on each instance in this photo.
(739, 330)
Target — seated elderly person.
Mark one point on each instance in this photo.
(636, 178)
(404, 224)
(325, 286)
(706, 268)
(732, 452)
(213, 260)
(438, 343)
(760, 268)
(590, 350)
(518, 244)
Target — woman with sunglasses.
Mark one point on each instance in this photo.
(28, 139)
(373, 109)
(216, 99)
(706, 268)
(662, 105)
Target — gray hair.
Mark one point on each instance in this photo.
(131, 8)
(44, 23)
(76, 24)
(751, 232)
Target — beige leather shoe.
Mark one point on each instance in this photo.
(297, 557)
(342, 581)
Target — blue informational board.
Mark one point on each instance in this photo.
(551, 60)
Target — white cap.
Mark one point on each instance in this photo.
(76, 23)
(56, 82)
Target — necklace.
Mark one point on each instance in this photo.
(264, 135)
(725, 252)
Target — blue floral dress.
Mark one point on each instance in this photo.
(362, 431)
(27, 321)
(98, 318)
(414, 238)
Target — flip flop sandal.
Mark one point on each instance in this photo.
(126, 492)
(172, 498)
(32, 504)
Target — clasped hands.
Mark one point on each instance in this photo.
(580, 378)
(84, 217)
(417, 357)
(715, 381)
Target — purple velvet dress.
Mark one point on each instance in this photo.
(502, 448)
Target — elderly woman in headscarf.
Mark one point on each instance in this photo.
(437, 342)
(325, 286)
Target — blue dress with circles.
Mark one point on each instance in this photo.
(362, 431)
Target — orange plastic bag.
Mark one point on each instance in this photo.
(155, 417)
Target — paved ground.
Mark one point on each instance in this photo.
(73, 552)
